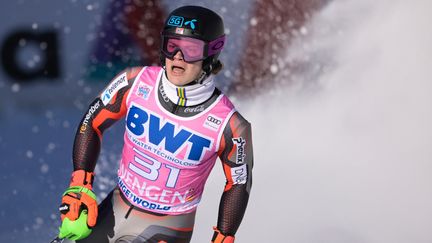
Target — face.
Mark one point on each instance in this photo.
(181, 73)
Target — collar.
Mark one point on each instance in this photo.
(191, 94)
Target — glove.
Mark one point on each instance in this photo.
(75, 230)
(218, 237)
(79, 207)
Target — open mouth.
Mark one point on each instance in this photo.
(177, 69)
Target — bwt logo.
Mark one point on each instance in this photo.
(144, 124)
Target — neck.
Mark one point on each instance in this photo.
(189, 95)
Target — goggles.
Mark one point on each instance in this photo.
(193, 50)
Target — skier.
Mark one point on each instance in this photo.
(177, 124)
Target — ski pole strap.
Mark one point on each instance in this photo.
(80, 189)
(218, 237)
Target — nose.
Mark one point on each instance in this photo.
(178, 55)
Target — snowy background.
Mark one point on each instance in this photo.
(341, 134)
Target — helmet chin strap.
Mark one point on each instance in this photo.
(203, 75)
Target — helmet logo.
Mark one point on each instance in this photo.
(218, 45)
(191, 23)
(175, 21)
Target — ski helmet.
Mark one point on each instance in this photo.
(194, 24)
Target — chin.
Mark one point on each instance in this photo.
(177, 81)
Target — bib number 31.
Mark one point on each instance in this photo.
(152, 167)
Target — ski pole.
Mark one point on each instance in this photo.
(57, 240)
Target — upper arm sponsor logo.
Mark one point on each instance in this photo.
(213, 122)
(90, 112)
(120, 82)
(240, 143)
(239, 174)
(166, 134)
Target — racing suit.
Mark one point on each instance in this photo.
(170, 148)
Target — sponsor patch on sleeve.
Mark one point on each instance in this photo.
(239, 174)
(89, 114)
(240, 144)
(120, 82)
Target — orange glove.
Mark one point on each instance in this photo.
(79, 196)
(218, 237)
